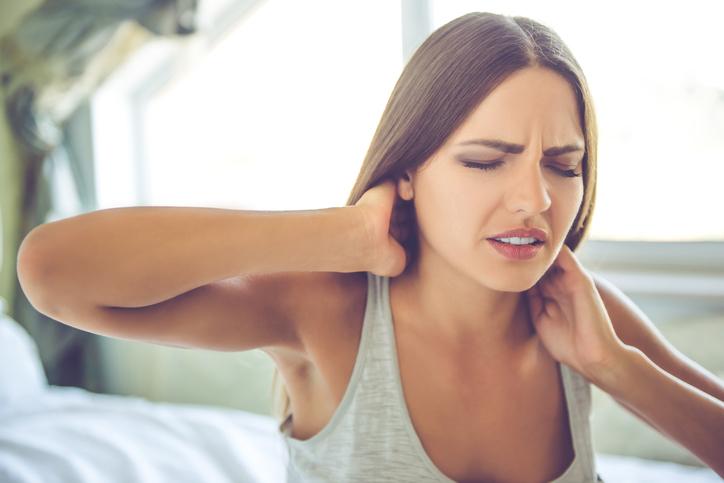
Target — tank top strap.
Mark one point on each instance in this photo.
(369, 374)
(579, 406)
(377, 343)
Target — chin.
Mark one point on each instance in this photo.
(512, 282)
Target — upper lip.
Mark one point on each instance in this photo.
(536, 233)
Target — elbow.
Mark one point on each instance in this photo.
(32, 270)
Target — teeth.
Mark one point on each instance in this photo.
(517, 240)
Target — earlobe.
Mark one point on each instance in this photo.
(404, 187)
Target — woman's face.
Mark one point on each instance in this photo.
(459, 206)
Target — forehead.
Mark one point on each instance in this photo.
(531, 103)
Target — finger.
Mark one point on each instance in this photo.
(548, 295)
(386, 188)
(577, 276)
(535, 303)
(549, 276)
(380, 193)
(568, 261)
(542, 301)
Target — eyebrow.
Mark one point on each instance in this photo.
(519, 148)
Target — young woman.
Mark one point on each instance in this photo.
(437, 328)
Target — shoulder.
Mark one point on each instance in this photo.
(324, 307)
(331, 306)
(630, 323)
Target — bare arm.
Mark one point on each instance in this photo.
(635, 329)
(138, 256)
(682, 412)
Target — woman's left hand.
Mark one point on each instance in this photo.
(570, 317)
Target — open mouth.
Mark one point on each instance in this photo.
(535, 243)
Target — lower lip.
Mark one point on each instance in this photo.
(515, 252)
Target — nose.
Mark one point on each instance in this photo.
(528, 191)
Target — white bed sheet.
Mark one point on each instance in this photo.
(70, 435)
(626, 469)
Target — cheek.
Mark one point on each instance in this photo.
(576, 197)
(566, 201)
(433, 213)
(452, 216)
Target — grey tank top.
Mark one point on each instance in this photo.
(370, 437)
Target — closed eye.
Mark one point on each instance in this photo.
(567, 173)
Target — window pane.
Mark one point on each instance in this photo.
(658, 88)
(280, 114)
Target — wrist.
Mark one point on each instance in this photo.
(364, 235)
(363, 255)
(612, 373)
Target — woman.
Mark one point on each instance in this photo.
(418, 339)
(490, 128)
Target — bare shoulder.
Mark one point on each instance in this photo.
(325, 308)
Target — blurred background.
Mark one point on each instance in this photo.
(270, 105)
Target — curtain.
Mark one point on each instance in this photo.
(49, 66)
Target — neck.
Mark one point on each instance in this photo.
(460, 313)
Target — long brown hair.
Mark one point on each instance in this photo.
(448, 76)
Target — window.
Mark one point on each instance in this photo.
(276, 114)
(246, 119)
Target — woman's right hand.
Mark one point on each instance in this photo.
(387, 226)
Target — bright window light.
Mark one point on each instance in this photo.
(658, 88)
(277, 115)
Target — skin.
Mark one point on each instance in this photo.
(460, 292)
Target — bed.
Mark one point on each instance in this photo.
(67, 434)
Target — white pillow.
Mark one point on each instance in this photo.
(21, 371)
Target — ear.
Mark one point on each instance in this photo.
(404, 186)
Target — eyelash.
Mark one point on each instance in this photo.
(569, 173)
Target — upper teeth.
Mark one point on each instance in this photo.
(517, 240)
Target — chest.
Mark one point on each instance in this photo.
(474, 422)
